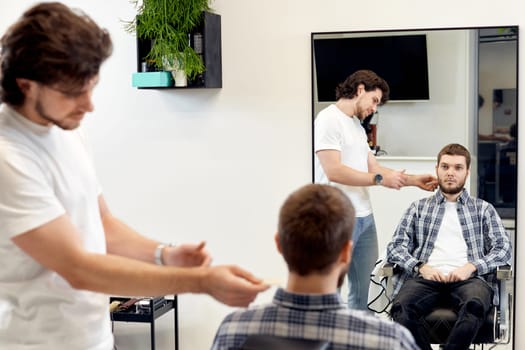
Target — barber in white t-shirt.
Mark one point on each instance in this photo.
(61, 249)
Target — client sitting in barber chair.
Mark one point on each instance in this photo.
(447, 248)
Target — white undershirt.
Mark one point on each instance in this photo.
(450, 248)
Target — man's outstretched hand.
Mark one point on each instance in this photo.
(232, 285)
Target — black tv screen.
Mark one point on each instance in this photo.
(399, 59)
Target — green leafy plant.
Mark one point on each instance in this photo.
(508, 30)
(167, 23)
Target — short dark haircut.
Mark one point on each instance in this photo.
(315, 222)
(53, 45)
(455, 149)
(370, 80)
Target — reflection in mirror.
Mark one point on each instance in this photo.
(497, 121)
(451, 64)
(472, 100)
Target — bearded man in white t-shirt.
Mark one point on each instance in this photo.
(344, 160)
(61, 249)
(448, 246)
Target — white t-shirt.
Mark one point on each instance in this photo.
(450, 248)
(334, 130)
(46, 172)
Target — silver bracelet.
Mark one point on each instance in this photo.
(158, 252)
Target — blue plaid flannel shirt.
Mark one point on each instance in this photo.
(487, 241)
(317, 317)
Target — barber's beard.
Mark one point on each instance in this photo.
(65, 124)
(362, 113)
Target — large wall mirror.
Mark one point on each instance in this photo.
(462, 87)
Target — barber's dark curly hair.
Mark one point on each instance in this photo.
(53, 45)
(371, 81)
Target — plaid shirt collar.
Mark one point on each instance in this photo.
(309, 302)
(462, 198)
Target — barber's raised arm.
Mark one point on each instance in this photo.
(336, 171)
(425, 182)
(56, 245)
(397, 179)
(391, 178)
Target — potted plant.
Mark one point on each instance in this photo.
(167, 24)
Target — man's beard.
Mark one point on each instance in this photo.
(342, 276)
(362, 114)
(42, 113)
(451, 190)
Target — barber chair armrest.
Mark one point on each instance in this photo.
(388, 269)
(503, 275)
(504, 272)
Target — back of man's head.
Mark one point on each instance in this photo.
(315, 223)
(53, 45)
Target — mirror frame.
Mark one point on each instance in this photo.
(473, 118)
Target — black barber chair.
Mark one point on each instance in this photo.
(496, 328)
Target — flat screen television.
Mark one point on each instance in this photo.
(399, 59)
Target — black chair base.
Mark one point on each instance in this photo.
(439, 323)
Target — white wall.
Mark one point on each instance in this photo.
(448, 62)
(449, 58)
(216, 164)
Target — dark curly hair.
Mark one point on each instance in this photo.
(53, 45)
(371, 81)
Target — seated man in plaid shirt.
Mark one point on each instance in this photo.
(448, 246)
(314, 237)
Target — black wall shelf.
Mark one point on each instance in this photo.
(210, 29)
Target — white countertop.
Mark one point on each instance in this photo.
(405, 158)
